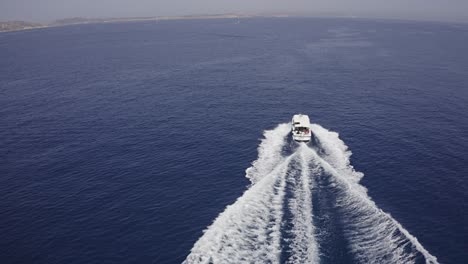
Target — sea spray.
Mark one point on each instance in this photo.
(269, 153)
(249, 230)
(374, 236)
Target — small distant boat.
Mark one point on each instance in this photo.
(301, 128)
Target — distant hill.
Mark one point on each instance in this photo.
(81, 20)
(76, 20)
(22, 25)
(19, 25)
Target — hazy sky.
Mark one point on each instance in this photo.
(48, 10)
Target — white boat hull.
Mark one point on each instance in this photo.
(300, 128)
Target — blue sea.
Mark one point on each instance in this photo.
(168, 142)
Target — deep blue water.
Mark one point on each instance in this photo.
(121, 143)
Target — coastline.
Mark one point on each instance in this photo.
(82, 21)
(24, 25)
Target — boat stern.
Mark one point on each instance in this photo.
(302, 137)
(300, 128)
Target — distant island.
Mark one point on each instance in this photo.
(19, 25)
(22, 25)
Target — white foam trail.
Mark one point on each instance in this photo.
(335, 152)
(304, 248)
(374, 236)
(249, 231)
(269, 153)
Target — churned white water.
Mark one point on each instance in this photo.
(253, 229)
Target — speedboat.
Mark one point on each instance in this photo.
(301, 128)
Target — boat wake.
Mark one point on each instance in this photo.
(302, 202)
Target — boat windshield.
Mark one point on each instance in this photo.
(302, 129)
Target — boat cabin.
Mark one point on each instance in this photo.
(301, 128)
